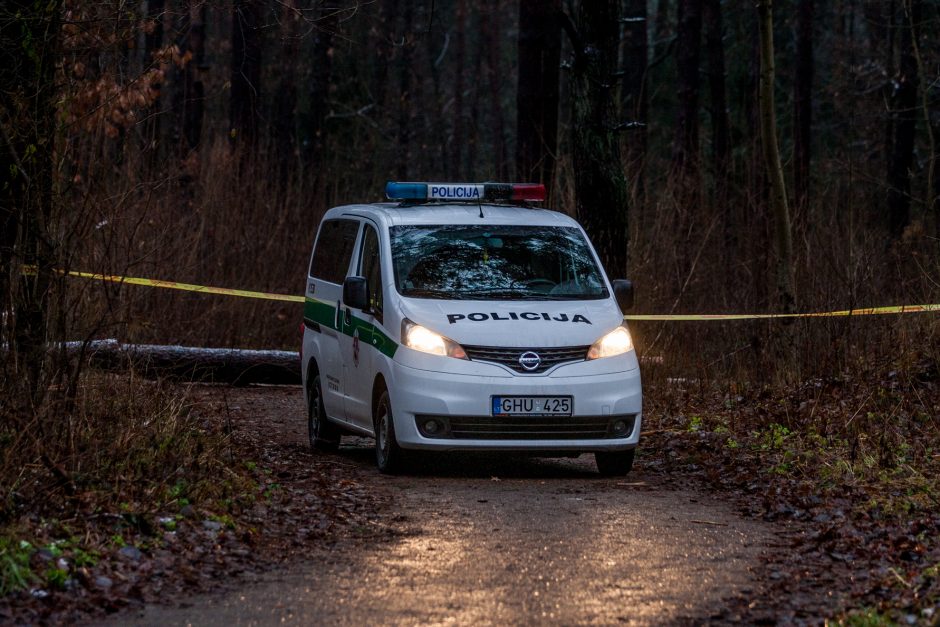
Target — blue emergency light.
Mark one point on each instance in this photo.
(466, 192)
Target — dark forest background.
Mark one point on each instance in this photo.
(202, 141)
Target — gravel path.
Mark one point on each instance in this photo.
(490, 540)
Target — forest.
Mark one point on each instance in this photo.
(728, 156)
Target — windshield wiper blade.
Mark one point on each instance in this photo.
(428, 293)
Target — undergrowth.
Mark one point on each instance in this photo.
(86, 474)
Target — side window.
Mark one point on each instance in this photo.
(334, 250)
(370, 267)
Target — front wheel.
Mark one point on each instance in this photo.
(389, 457)
(322, 434)
(615, 464)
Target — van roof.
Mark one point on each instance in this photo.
(398, 214)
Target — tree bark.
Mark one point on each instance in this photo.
(662, 29)
(246, 72)
(600, 186)
(321, 78)
(405, 82)
(193, 90)
(153, 41)
(688, 53)
(904, 114)
(460, 61)
(492, 37)
(721, 127)
(803, 103)
(539, 47)
(778, 196)
(634, 94)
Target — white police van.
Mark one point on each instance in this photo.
(461, 318)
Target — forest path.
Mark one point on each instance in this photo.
(495, 540)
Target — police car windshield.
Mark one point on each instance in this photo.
(465, 262)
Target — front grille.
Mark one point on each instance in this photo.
(509, 357)
(526, 428)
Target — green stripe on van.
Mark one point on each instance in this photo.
(325, 315)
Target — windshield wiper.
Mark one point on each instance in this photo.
(421, 292)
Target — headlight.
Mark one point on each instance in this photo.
(617, 342)
(427, 341)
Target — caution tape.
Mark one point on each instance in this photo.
(868, 311)
(225, 291)
(174, 285)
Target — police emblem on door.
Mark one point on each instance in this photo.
(356, 348)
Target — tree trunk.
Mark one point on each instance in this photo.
(634, 95)
(778, 194)
(285, 100)
(246, 72)
(492, 37)
(193, 90)
(319, 90)
(537, 94)
(153, 41)
(460, 53)
(904, 112)
(30, 35)
(405, 82)
(600, 186)
(689, 31)
(803, 103)
(662, 29)
(721, 128)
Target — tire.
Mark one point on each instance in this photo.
(389, 457)
(322, 434)
(615, 464)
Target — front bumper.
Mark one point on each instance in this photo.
(597, 397)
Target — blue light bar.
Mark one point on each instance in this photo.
(406, 191)
(466, 192)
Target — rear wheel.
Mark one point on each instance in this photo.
(615, 464)
(389, 457)
(322, 434)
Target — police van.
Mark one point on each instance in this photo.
(463, 317)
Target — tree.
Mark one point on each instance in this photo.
(600, 187)
(539, 48)
(29, 53)
(904, 114)
(721, 127)
(689, 44)
(633, 94)
(246, 71)
(803, 103)
(778, 192)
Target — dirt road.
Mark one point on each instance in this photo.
(489, 540)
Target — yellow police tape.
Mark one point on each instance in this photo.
(203, 289)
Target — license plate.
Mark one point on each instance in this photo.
(532, 405)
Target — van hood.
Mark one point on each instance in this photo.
(522, 324)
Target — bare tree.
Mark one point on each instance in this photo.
(600, 186)
(537, 95)
(778, 194)
(246, 71)
(634, 94)
(688, 53)
(30, 38)
(803, 103)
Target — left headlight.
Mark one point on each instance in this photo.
(617, 342)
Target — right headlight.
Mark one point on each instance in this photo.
(617, 342)
(422, 339)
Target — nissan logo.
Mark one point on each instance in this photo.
(530, 360)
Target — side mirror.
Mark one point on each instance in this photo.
(623, 292)
(356, 293)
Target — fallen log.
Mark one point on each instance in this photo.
(218, 365)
